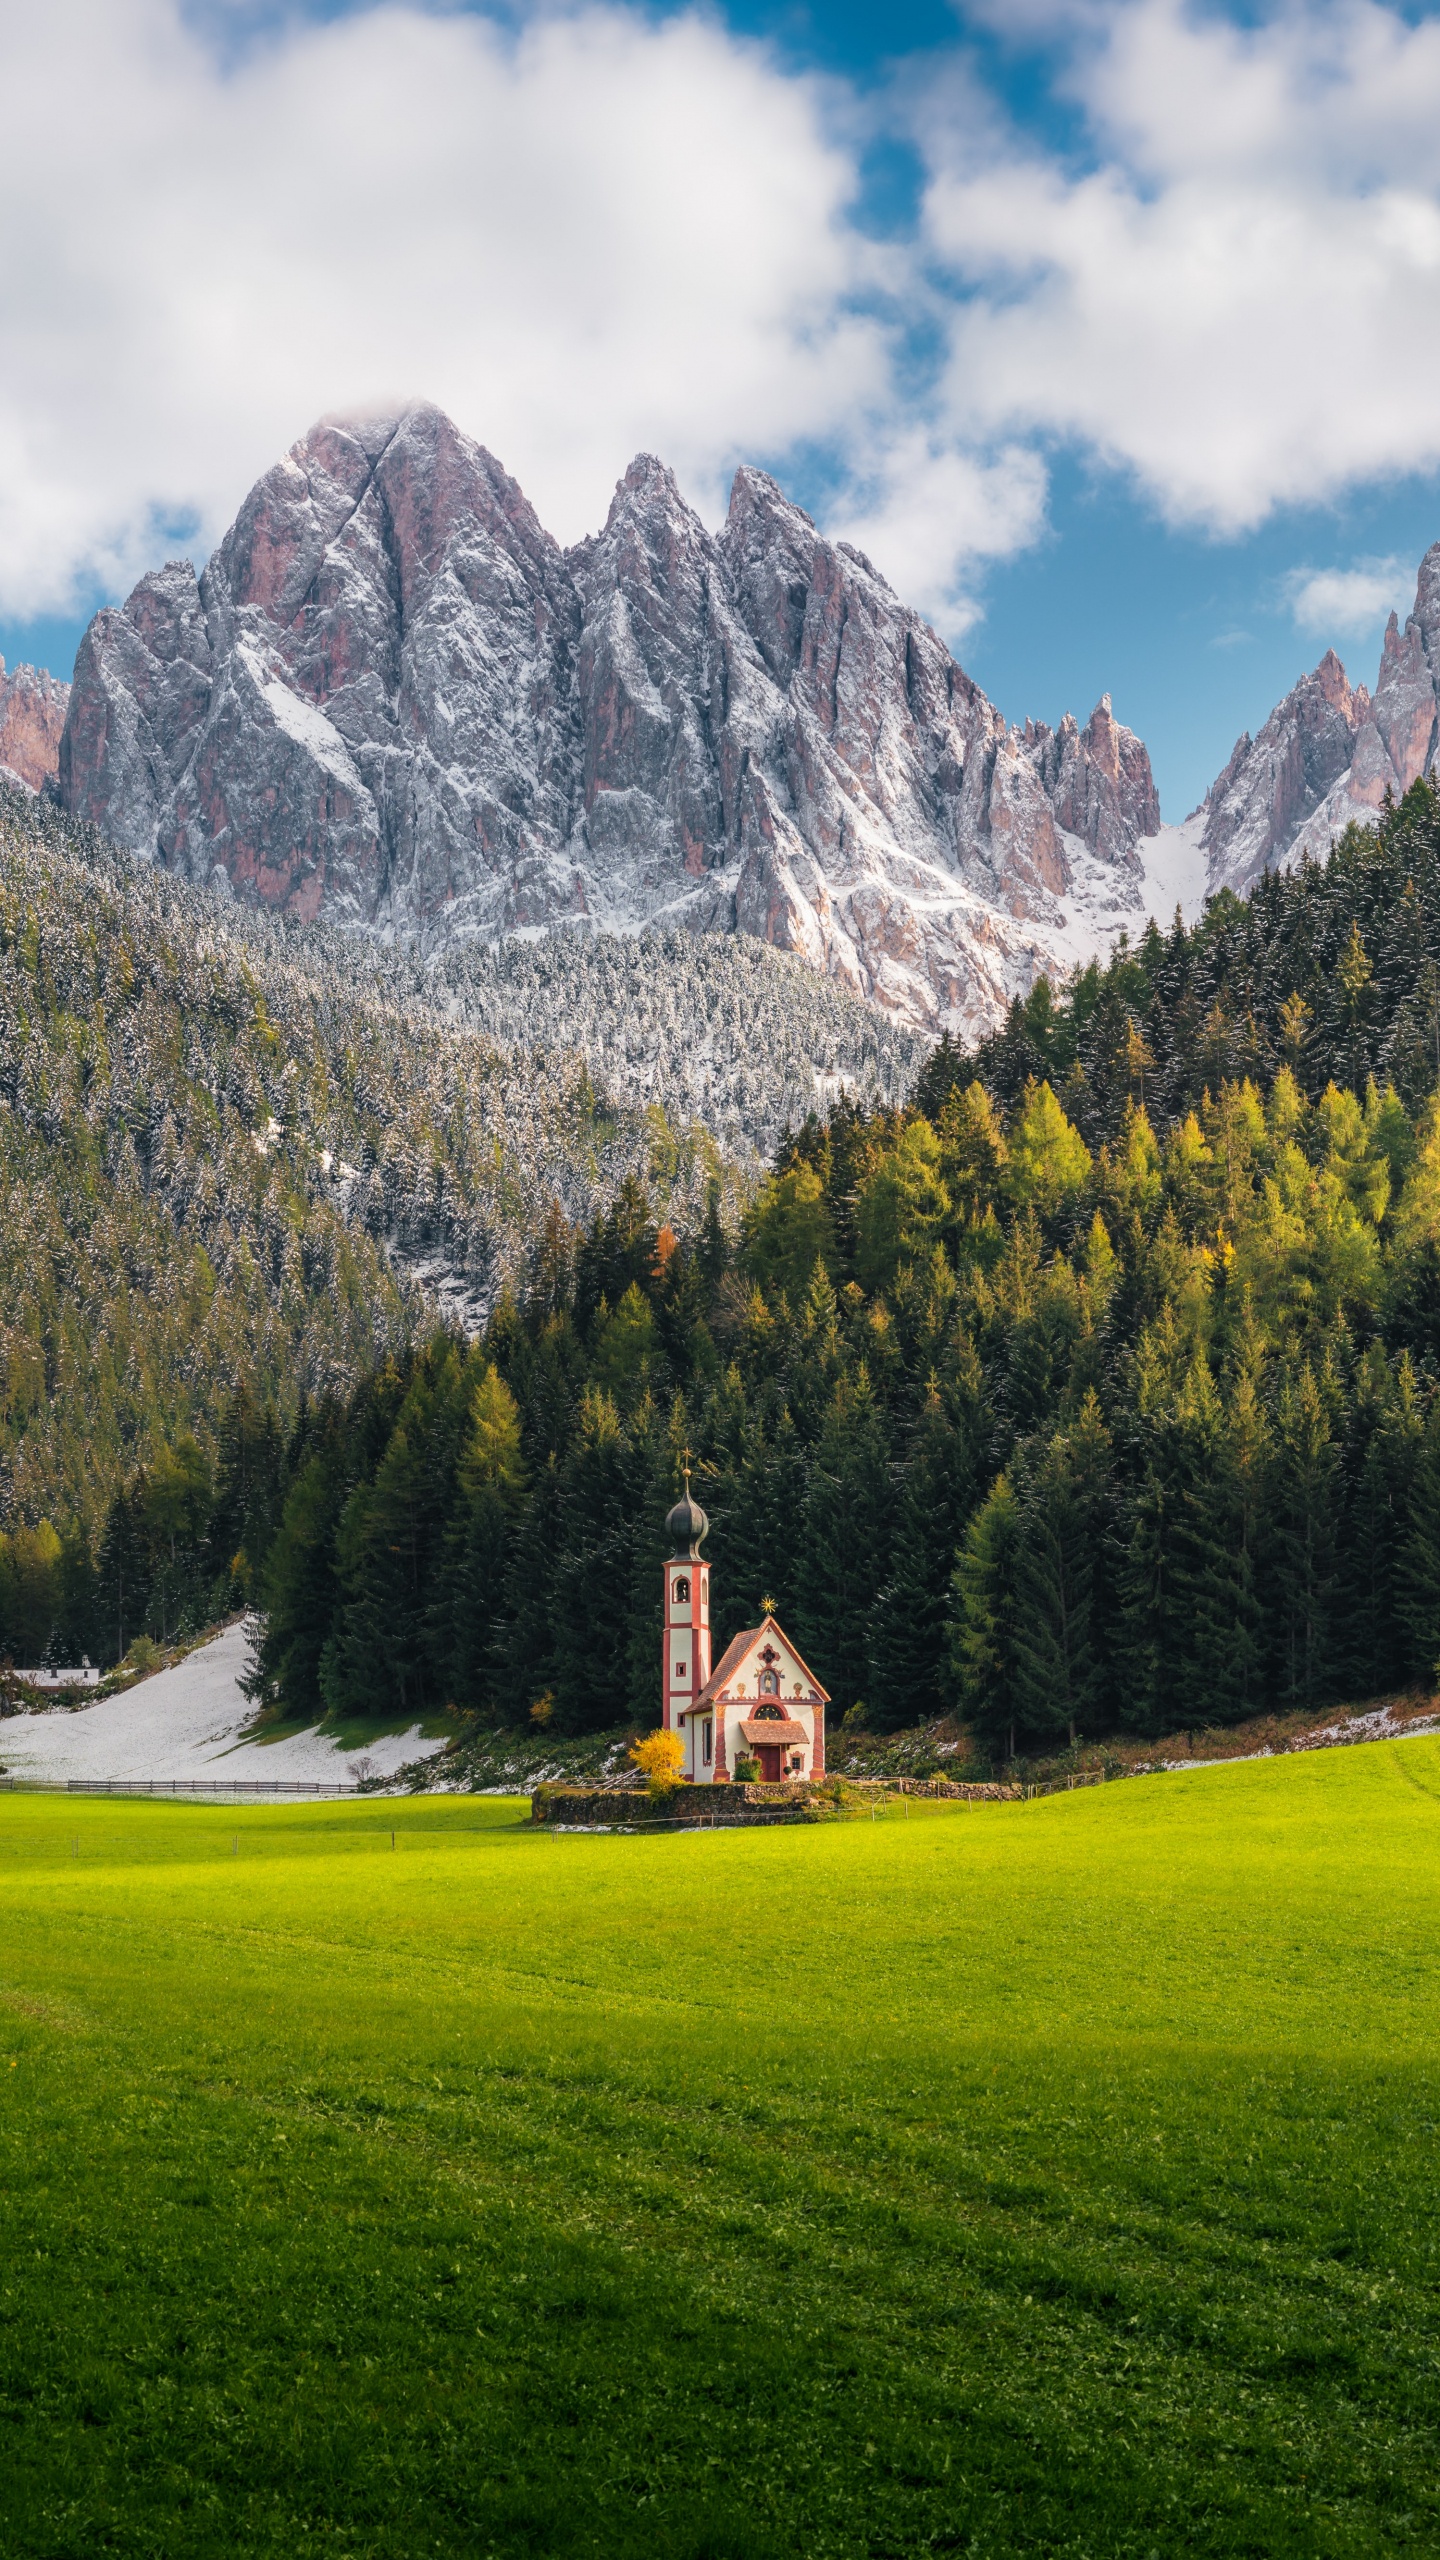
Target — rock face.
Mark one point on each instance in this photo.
(393, 698)
(1328, 755)
(1274, 783)
(32, 716)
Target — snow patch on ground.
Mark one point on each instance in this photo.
(187, 1723)
(1377, 1724)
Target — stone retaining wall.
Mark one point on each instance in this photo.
(609, 1806)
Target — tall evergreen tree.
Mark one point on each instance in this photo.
(1066, 1500)
(845, 1543)
(1417, 1574)
(381, 1656)
(523, 1646)
(121, 1578)
(1303, 1495)
(984, 1611)
(591, 1582)
(911, 1680)
(467, 1599)
(1375, 1651)
(300, 1589)
(1218, 1587)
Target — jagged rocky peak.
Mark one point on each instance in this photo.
(391, 696)
(1328, 753)
(1099, 781)
(32, 717)
(1274, 782)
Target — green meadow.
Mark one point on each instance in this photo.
(1057, 2178)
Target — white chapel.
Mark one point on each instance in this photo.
(761, 1702)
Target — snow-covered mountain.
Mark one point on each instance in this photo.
(1328, 754)
(393, 700)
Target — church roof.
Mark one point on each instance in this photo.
(739, 1648)
(730, 1660)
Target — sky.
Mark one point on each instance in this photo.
(1109, 329)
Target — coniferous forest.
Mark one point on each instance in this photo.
(1097, 1387)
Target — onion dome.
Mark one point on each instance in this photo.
(686, 1524)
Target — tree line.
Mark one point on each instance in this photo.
(1062, 1441)
(229, 1150)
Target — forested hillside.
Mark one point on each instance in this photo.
(1331, 970)
(229, 1159)
(716, 1028)
(1070, 1433)
(1107, 1401)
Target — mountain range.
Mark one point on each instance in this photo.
(393, 701)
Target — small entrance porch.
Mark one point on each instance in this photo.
(777, 1742)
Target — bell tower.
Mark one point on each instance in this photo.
(685, 1660)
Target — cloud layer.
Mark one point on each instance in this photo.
(1239, 298)
(602, 234)
(609, 231)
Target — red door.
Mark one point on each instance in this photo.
(769, 1762)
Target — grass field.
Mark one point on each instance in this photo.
(1057, 2178)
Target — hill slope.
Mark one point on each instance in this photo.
(226, 1152)
(1330, 968)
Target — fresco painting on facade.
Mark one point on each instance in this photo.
(761, 1703)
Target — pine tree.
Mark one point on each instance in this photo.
(122, 1583)
(1417, 1573)
(1150, 1631)
(300, 1589)
(984, 1610)
(1066, 1498)
(1304, 1482)
(1375, 1651)
(1221, 1550)
(591, 1584)
(467, 1599)
(845, 1542)
(247, 1491)
(910, 1680)
(382, 1656)
(523, 1646)
(757, 1523)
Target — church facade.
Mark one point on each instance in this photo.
(760, 1703)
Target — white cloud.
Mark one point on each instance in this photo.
(1239, 300)
(930, 516)
(596, 234)
(1349, 601)
(603, 230)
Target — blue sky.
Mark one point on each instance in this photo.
(1111, 328)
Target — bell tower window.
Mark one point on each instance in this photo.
(682, 1586)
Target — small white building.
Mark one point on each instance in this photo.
(761, 1702)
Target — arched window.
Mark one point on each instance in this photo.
(682, 1586)
(769, 1684)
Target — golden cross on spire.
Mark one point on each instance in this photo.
(685, 1463)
